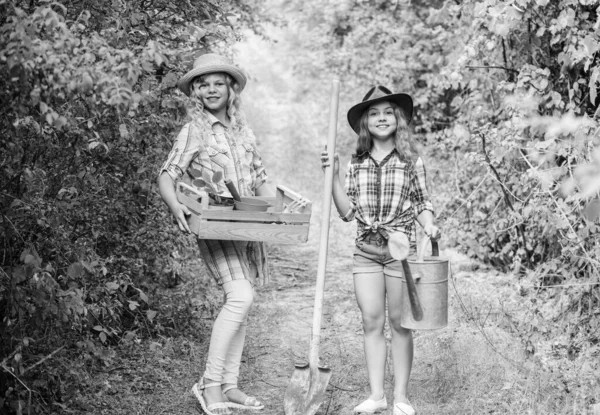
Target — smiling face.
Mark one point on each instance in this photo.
(213, 91)
(381, 120)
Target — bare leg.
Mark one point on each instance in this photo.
(370, 295)
(402, 341)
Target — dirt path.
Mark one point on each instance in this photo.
(474, 366)
(458, 368)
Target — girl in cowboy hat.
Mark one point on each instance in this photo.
(384, 191)
(219, 140)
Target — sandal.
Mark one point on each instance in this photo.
(250, 403)
(222, 408)
(401, 408)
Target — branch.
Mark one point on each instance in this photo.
(489, 162)
(43, 360)
(493, 67)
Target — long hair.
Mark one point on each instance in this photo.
(234, 112)
(405, 146)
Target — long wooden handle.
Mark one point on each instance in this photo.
(318, 310)
(413, 297)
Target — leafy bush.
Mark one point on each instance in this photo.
(89, 109)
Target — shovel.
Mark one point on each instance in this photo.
(399, 247)
(307, 387)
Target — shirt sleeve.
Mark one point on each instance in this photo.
(418, 186)
(181, 155)
(352, 192)
(259, 169)
(259, 173)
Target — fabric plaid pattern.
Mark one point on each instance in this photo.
(226, 260)
(207, 145)
(385, 197)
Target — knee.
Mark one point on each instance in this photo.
(395, 324)
(240, 301)
(373, 323)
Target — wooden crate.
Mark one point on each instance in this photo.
(286, 221)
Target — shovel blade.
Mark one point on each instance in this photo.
(306, 390)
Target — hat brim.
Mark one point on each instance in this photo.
(186, 80)
(404, 101)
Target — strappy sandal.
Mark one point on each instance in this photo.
(222, 408)
(250, 403)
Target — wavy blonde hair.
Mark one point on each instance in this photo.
(405, 145)
(234, 102)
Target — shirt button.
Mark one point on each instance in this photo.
(239, 162)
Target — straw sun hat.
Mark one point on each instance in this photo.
(209, 63)
(378, 94)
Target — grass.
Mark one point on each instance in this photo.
(479, 364)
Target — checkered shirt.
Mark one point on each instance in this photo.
(207, 145)
(385, 197)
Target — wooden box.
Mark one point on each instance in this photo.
(286, 221)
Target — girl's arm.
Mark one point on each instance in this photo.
(340, 198)
(425, 219)
(265, 190)
(420, 197)
(166, 187)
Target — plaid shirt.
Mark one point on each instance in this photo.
(387, 196)
(210, 146)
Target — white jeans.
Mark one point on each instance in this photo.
(229, 333)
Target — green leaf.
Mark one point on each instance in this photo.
(150, 314)
(75, 270)
(195, 173)
(217, 176)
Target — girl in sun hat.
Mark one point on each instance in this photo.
(385, 191)
(217, 139)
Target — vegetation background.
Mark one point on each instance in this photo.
(92, 268)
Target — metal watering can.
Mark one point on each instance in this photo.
(430, 275)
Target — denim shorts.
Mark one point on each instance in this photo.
(373, 256)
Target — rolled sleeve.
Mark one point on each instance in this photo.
(181, 155)
(419, 194)
(259, 170)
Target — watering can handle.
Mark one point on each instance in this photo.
(435, 250)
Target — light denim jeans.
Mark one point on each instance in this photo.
(229, 333)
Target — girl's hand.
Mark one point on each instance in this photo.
(432, 232)
(180, 211)
(325, 162)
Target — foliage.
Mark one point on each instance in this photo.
(89, 108)
(507, 104)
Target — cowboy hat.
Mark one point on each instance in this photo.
(210, 63)
(377, 94)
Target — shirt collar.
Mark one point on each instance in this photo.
(386, 158)
(212, 119)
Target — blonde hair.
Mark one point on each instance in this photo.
(405, 146)
(234, 112)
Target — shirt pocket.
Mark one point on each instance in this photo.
(218, 155)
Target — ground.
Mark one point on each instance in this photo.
(475, 365)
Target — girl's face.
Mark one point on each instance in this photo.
(213, 92)
(381, 120)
